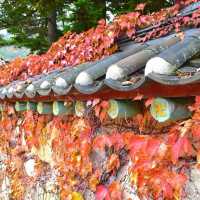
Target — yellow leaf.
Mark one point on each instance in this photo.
(45, 152)
(134, 178)
(77, 196)
(198, 157)
(177, 195)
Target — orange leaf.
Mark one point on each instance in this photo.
(93, 182)
(136, 144)
(115, 191)
(113, 162)
(196, 132)
(103, 115)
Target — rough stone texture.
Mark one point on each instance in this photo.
(192, 188)
(2, 62)
(47, 189)
(123, 177)
(4, 180)
(89, 195)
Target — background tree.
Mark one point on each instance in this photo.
(123, 6)
(32, 23)
(37, 23)
(81, 15)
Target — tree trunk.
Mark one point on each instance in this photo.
(163, 109)
(59, 108)
(52, 26)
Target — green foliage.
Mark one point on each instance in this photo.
(26, 24)
(124, 6)
(83, 14)
(44, 7)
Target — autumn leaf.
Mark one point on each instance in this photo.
(152, 147)
(93, 182)
(152, 158)
(117, 141)
(94, 44)
(136, 144)
(196, 131)
(113, 162)
(144, 163)
(178, 180)
(95, 102)
(130, 33)
(85, 148)
(101, 141)
(104, 104)
(163, 187)
(97, 110)
(103, 115)
(101, 109)
(102, 193)
(102, 22)
(148, 102)
(115, 191)
(77, 196)
(181, 147)
(197, 100)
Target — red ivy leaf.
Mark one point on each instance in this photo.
(97, 110)
(117, 141)
(102, 193)
(101, 141)
(182, 146)
(148, 102)
(95, 102)
(197, 101)
(152, 147)
(103, 115)
(104, 104)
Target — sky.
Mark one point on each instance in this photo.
(4, 33)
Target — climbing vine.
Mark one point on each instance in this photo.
(85, 153)
(90, 158)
